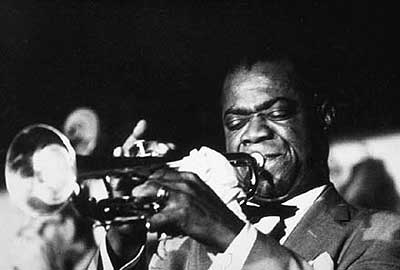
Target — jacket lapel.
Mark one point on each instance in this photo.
(324, 222)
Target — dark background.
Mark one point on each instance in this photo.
(165, 62)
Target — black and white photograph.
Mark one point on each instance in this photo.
(199, 135)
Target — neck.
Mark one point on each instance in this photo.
(317, 179)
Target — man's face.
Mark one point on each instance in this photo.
(263, 113)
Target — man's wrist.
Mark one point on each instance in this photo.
(226, 235)
(236, 254)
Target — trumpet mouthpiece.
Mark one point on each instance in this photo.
(259, 158)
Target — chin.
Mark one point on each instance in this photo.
(273, 189)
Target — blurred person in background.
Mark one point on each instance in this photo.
(60, 242)
(64, 241)
(370, 185)
(82, 127)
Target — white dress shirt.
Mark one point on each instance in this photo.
(236, 254)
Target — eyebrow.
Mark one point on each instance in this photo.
(263, 106)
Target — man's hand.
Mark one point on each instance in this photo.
(136, 146)
(190, 208)
(125, 241)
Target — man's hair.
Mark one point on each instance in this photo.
(297, 74)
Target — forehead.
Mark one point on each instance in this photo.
(251, 87)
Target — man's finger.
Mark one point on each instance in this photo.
(171, 175)
(182, 182)
(146, 190)
(158, 221)
(137, 132)
(139, 129)
(160, 148)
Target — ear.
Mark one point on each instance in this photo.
(327, 113)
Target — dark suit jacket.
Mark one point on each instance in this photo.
(355, 239)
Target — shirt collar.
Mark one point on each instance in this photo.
(303, 202)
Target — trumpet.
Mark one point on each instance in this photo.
(43, 175)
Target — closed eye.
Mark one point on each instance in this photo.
(282, 110)
(235, 122)
(280, 115)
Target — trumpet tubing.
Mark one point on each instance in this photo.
(43, 174)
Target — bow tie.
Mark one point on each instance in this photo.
(255, 213)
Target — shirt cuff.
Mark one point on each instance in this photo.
(106, 262)
(237, 252)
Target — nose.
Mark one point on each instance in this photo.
(257, 130)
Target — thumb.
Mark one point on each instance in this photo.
(137, 132)
(139, 129)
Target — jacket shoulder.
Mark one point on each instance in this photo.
(374, 242)
(378, 225)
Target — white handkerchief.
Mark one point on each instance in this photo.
(217, 172)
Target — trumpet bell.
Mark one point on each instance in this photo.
(43, 174)
(40, 170)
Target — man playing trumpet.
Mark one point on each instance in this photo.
(267, 107)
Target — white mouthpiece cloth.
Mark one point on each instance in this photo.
(216, 171)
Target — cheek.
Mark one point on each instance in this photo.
(232, 141)
(299, 141)
(294, 133)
